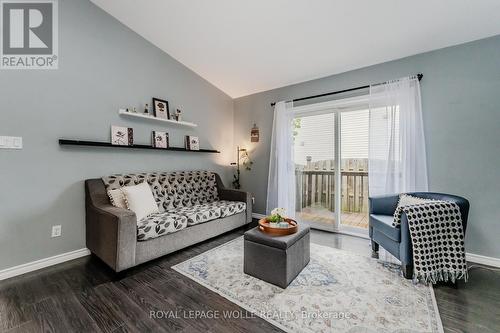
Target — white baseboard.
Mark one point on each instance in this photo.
(42, 263)
(479, 259)
(258, 216)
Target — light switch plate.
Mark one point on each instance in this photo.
(11, 142)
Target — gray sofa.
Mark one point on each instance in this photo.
(194, 206)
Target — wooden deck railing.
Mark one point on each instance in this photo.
(316, 185)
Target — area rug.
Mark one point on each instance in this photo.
(339, 291)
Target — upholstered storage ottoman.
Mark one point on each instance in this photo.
(276, 259)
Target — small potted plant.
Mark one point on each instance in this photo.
(278, 224)
(277, 216)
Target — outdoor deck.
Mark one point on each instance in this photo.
(323, 216)
(316, 185)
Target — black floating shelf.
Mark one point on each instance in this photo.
(66, 142)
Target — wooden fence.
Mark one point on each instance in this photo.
(316, 185)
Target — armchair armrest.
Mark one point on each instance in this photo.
(383, 204)
(236, 195)
(111, 232)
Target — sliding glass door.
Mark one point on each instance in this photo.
(331, 166)
(315, 164)
(354, 170)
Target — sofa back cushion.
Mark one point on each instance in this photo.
(171, 190)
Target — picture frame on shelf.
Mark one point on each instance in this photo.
(159, 139)
(192, 142)
(161, 108)
(122, 136)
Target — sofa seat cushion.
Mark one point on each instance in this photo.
(199, 213)
(229, 208)
(160, 224)
(383, 223)
(210, 211)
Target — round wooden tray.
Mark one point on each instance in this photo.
(264, 226)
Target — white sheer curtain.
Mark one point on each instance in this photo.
(281, 181)
(397, 161)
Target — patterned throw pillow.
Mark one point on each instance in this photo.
(117, 198)
(407, 200)
(140, 200)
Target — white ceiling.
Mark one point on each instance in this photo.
(247, 46)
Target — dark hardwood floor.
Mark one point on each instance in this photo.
(85, 296)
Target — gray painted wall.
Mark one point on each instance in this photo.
(103, 65)
(461, 109)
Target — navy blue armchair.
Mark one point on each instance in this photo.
(396, 240)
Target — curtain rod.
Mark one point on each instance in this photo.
(419, 76)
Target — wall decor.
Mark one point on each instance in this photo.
(254, 133)
(130, 136)
(192, 142)
(178, 114)
(122, 136)
(160, 108)
(159, 139)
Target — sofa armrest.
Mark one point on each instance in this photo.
(383, 204)
(236, 195)
(111, 232)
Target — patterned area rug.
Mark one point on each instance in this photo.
(338, 291)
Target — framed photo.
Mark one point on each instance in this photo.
(122, 136)
(160, 108)
(254, 134)
(192, 142)
(159, 139)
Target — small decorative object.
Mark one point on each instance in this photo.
(283, 225)
(122, 136)
(127, 110)
(135, 110)
(130, 136)
(159, 139)
(178, 115)
(146, 110)
(278, 224)
(160, 108)
(242, 159)
(254, 133)
(192, 142)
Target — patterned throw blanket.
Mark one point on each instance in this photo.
(438, 240)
